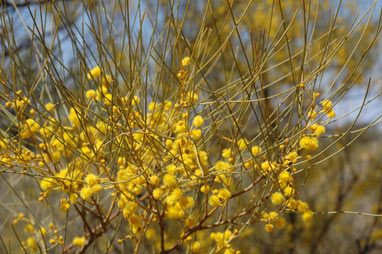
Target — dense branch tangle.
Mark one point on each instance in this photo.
(171, 141)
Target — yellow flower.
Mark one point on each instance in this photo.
(267, 166)
(47, 184)
(198, 121)
(150, 233)
(180, 126)
(331, 114)
(29, 228)
(94, 73)
(186, 61)
(86, 193)
(96, 188)
(31, 243)
(248, 164)
(108, 99)
(205, 188)
(186, 202)
(91, 179)
(78, 241)
(289, 191)
(91, 94)
(154, 180)
(309, 143)
(269, 227)
(192, 97)
(302, 207)
(174, 212)
(242, 144)
(157, 193)
(169, 180)
(317, 129)
(222, 165)
(214, 200)
(256, 150)
(307, 217)
(280, 223)
(224, 194)
(292, 156)
(49, 107)
(32, 125)
(73, 117)
(326, 105)
(195, 246)
(277, 198)
(227, 153)
(196, 134)
(312, 114)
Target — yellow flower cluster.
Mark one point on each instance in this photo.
(91, 187)
(150, 160)
(219, 197)
(271, 219)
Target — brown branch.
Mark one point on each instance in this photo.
(97, 231)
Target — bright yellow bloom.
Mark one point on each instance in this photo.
(108, 99)
(292, 156)
(91, 179)
(196, 134)
(186, 61)
(326, 105)
(154, 180)
(49, 106)
(78, 241)
(302, 207)
(224, 194)
(214, 200)
(29, 228)
(309, 143)
(169, 180)
(196, 246)
(31, 243)
(205, 188)
(312, 114)
(331, 114)
(86, 193)
(157, 193)
(222, 165)
(277, 198)
(248, 164)
(242, 144)
(91, 94)
(307, 217)
(192, 97)
(47, 184)
(289, 191)
(256, 150)
(267, 166)
(73, 117)
(180, 126)
(227, 153)
(94, 73)
(198, 121)
(32, 125)
(96, 188)
(269, 227)
(317, 129)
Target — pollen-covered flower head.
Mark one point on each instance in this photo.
(309, 143)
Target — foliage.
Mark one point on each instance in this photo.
(180, 126)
